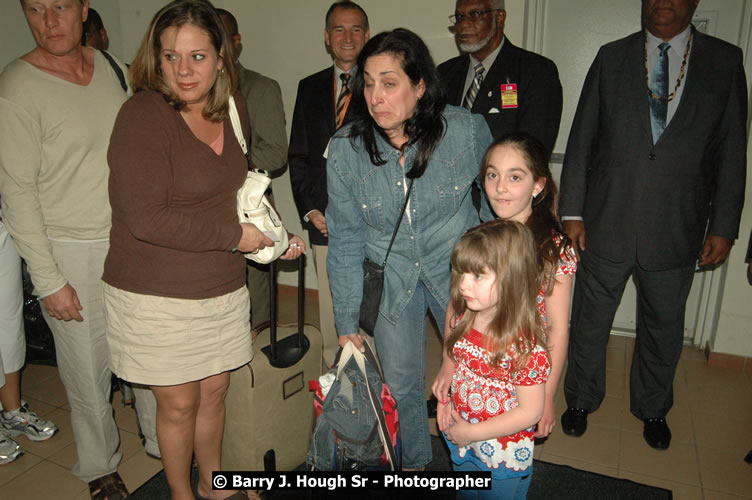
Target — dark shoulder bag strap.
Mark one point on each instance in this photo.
(399, 221)
(116, 68)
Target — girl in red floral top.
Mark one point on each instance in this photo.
(500, 360)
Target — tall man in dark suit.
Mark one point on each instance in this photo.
(513, 88)
(655, 166)
(268, 149)
(320, 108)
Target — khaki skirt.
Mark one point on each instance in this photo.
(168, 341)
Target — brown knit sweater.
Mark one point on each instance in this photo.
(174, 217)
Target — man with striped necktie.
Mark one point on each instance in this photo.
(321, 108)
(514, 89)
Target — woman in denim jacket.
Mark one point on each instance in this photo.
(403, 131)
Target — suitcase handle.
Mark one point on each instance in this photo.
(291, 349)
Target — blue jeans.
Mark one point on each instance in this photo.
(402, 351)
(514, 488)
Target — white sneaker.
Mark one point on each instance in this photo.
(9, 449)
(26, 422)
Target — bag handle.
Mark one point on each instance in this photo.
(236, 126)
(371, 358)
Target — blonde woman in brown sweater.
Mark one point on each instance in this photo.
(175, 289)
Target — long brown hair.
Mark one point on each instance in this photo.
(146, 70)
(505, 247)
(544, 221)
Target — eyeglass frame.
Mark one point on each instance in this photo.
(473, 16)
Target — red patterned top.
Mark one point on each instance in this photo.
(481, 391)
(567, 265)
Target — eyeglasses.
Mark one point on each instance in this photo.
(472, 16)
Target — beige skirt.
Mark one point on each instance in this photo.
(167, 341)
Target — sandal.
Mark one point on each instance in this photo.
(241, 495)
(109, 487)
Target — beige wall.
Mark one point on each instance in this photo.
(283, 39)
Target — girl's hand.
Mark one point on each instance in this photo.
(444, 415)
(547, 421)
(460, 433)
(296, 249)
(443, 382)
(252, 239)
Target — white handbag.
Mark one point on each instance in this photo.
(254, 207)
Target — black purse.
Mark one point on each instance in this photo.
(373, 280)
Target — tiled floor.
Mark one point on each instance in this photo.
(44, 470)
(711, 424)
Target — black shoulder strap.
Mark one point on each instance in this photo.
(116, 68)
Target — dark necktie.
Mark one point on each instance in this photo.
(472, 91)
(659, 86)
(344, 92)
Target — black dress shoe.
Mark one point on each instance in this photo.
(656, 433)
(574, 421)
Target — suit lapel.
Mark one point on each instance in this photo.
(636, 90)
(489, 95)
(325, 89)
(456, 84)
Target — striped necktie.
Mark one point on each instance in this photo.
(472, 91)
(659, 86)
(344, 92)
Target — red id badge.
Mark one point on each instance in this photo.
(508, 95)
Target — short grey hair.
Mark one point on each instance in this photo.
(495, 4)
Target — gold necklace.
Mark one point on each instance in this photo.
(682, 71)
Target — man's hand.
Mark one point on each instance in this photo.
(319, 221)
(575, 229)
(715, 250)
(63, 304)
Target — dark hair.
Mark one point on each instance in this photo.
(92, 24)
(231, 18)
(543, 222)
(426, 127)
(345, 5)
(79, 1)
(506, 249)
(93, 21)
(146, 72)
